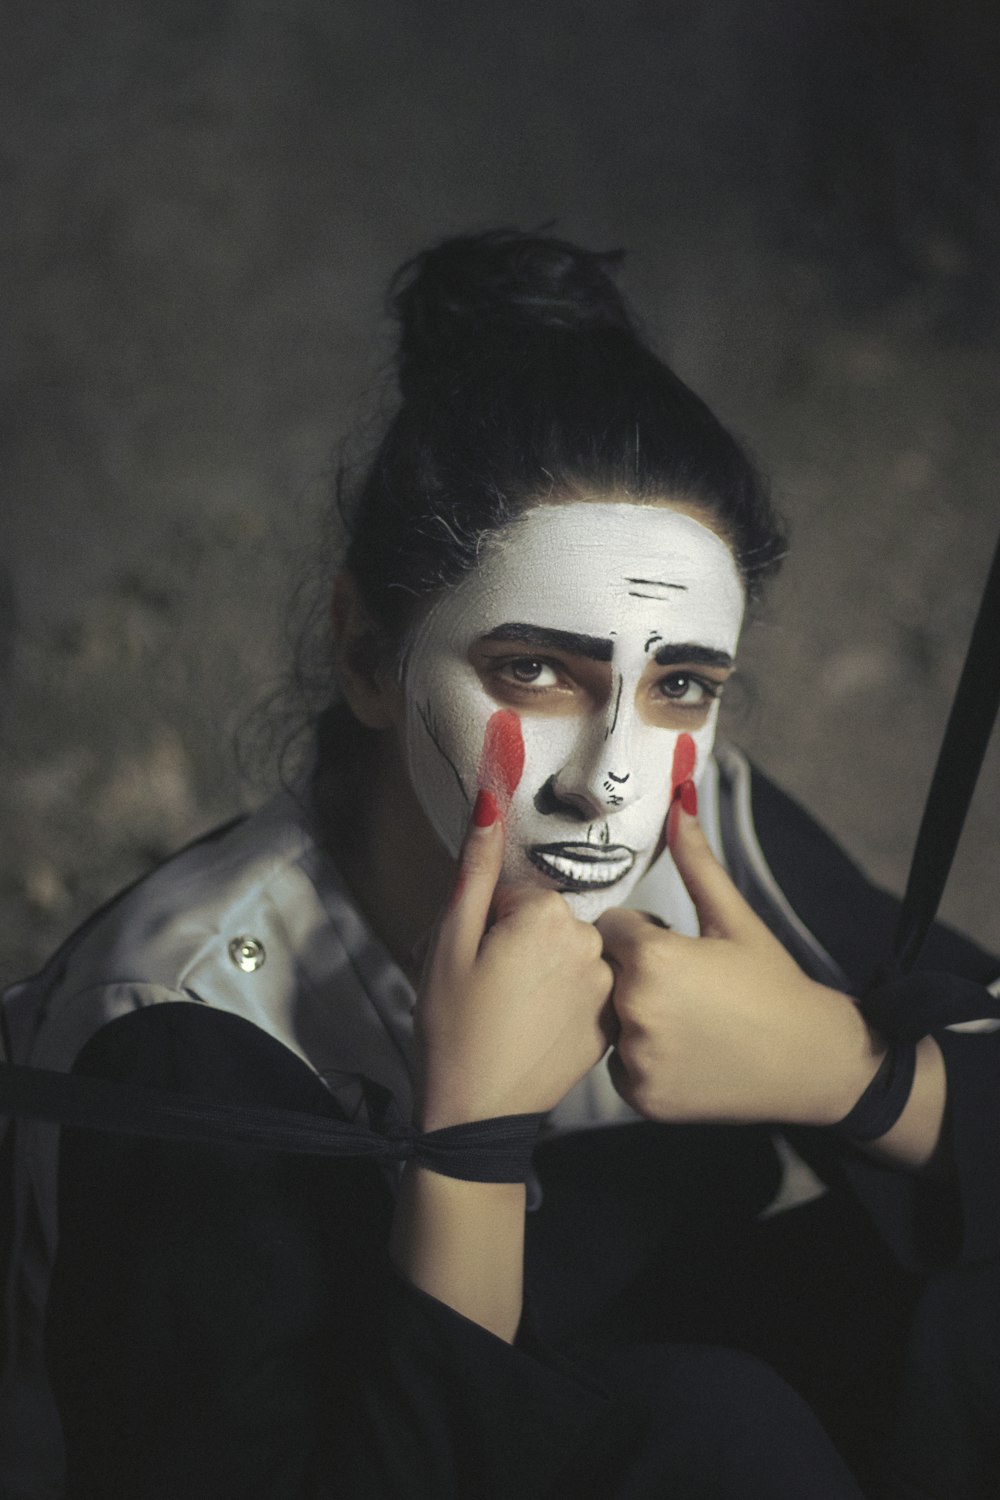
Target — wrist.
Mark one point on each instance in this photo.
(443, 1100)
(460, 1194)
(439, 1109)
(917, 1139)
(848, 1055)
(463, 1243)
(876, 1111)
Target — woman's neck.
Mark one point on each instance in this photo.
(393, 863)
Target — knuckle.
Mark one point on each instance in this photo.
(633, 964)
(649, 955)
(605, 977)
(546, 908)
(641, 1008)
(554, 907)
(595, 942)
(596, 977)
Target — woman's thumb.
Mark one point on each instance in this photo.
(722, 911)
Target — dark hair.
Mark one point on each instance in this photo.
(523, 376)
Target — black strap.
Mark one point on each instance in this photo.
(905, 1009)
(960, 758)
(493, 1150)
(885, 1098)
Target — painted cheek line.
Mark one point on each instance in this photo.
(501, 764)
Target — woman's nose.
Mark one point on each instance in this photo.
(600, 776)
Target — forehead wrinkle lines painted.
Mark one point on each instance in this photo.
(657, 583)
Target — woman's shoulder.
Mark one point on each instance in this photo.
(207, 925)
(811, 892)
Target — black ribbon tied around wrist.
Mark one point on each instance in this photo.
(493, 1150)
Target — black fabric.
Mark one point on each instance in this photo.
(491, 1150)
(885, 1098)
(948, 1438)
(926, 1223)
(705, 1423)
(224, 1321)
(907, 1008)
(6, 1218)
(854, 920)
(275, 1353)
(240, 1333)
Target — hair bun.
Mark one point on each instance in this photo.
(500, 285)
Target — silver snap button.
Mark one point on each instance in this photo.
(247, 953)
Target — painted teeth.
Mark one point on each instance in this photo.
(595, 872)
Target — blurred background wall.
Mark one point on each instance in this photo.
(202, 202)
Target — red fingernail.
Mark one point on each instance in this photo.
(485, 812)
(688, 794)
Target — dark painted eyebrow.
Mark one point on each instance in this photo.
(701, 656)
(540, 636)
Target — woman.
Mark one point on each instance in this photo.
(548, 564)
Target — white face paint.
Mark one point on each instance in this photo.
(611, 625)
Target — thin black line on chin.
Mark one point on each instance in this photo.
(425, 719)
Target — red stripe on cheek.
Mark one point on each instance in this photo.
(685, 755)
(501, 765)
(684, 758)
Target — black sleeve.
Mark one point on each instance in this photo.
(924, 1222)
(224, 1322)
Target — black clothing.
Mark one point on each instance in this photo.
(244, 1334)
(225, 1322)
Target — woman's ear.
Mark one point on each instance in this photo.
(370, 692)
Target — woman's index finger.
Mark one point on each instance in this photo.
(480, 861)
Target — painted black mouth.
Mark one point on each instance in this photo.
(582, 867)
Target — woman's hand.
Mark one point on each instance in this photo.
(727, 1027)
(509, 1015)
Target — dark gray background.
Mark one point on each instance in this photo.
(202, 203)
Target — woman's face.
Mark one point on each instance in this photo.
(575, 674)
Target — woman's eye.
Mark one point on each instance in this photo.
(681, 687)
(527, 671)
